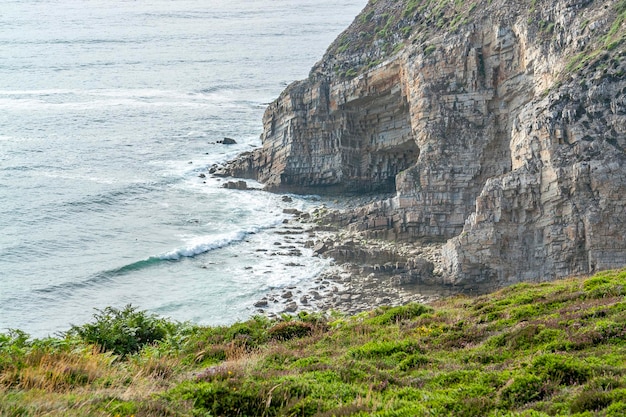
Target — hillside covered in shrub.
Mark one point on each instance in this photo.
(544, 349)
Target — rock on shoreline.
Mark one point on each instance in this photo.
(500, 128)
(365, 273)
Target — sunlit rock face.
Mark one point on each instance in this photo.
(500, 126)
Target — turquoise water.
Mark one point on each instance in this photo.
(109, 111)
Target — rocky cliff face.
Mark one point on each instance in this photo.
(501, 127)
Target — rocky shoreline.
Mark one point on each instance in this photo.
(363, 274)
(498, 128)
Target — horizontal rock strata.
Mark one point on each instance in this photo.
(500, 125)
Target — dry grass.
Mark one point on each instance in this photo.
(55, 372)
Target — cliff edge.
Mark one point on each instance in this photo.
(500, 126)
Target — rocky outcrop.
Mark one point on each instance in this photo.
(353, 136)
(501, 127)
(562, 208)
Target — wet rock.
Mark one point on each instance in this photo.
(236, 185)
(292, 211)
(322, 246)
(227, 141)
(287, 294)
(221, 173)
(287, 199)
(261, 303)
(291, 307)
(530, 186)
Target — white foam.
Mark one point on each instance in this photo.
(103, 98)
(37, 92)
(202, 244)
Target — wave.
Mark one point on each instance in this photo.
(29, 104)
(47, 92)
(196, 246)
(127, 92)
(222, 96)
(111, 197)
(205, 244)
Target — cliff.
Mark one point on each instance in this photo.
(500, 126)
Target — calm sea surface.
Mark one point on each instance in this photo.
(109, 111)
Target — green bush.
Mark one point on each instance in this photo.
(394, 314)
(221, 399)
(250, 333)
(617, 409)
(590, 401)
(605, 284)
(290, 329)
(561, 369)
(524, 389)
(377, 349)
(123, 332)
(13, 347)
(414, 361)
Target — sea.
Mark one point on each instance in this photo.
(110, 111)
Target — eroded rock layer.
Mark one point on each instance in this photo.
(500, 125)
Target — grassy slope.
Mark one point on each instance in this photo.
(532, 349)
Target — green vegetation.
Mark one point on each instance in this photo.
(384, 31)
(549, 349)
(123, 331)
(600, 51)
(616, 34)
(429, 50)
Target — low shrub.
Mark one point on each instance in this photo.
(287, 330)
(383, 349)
(220, 398)
(561, 369)
(605, 284)
(122, 332)
(395, 314)
(617, 409)
(523, 389)
(532, 335)
(590, 401)
(414, 361)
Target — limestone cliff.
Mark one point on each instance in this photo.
(501, 127)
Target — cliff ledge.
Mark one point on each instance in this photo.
(500, 126)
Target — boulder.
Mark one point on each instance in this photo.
(291, 307)
(227, 141)
(236, 185)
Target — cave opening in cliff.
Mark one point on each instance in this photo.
(378, 144)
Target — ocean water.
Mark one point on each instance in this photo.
(109, 111)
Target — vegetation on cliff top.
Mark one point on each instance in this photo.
(528, 350)
(385, 27)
